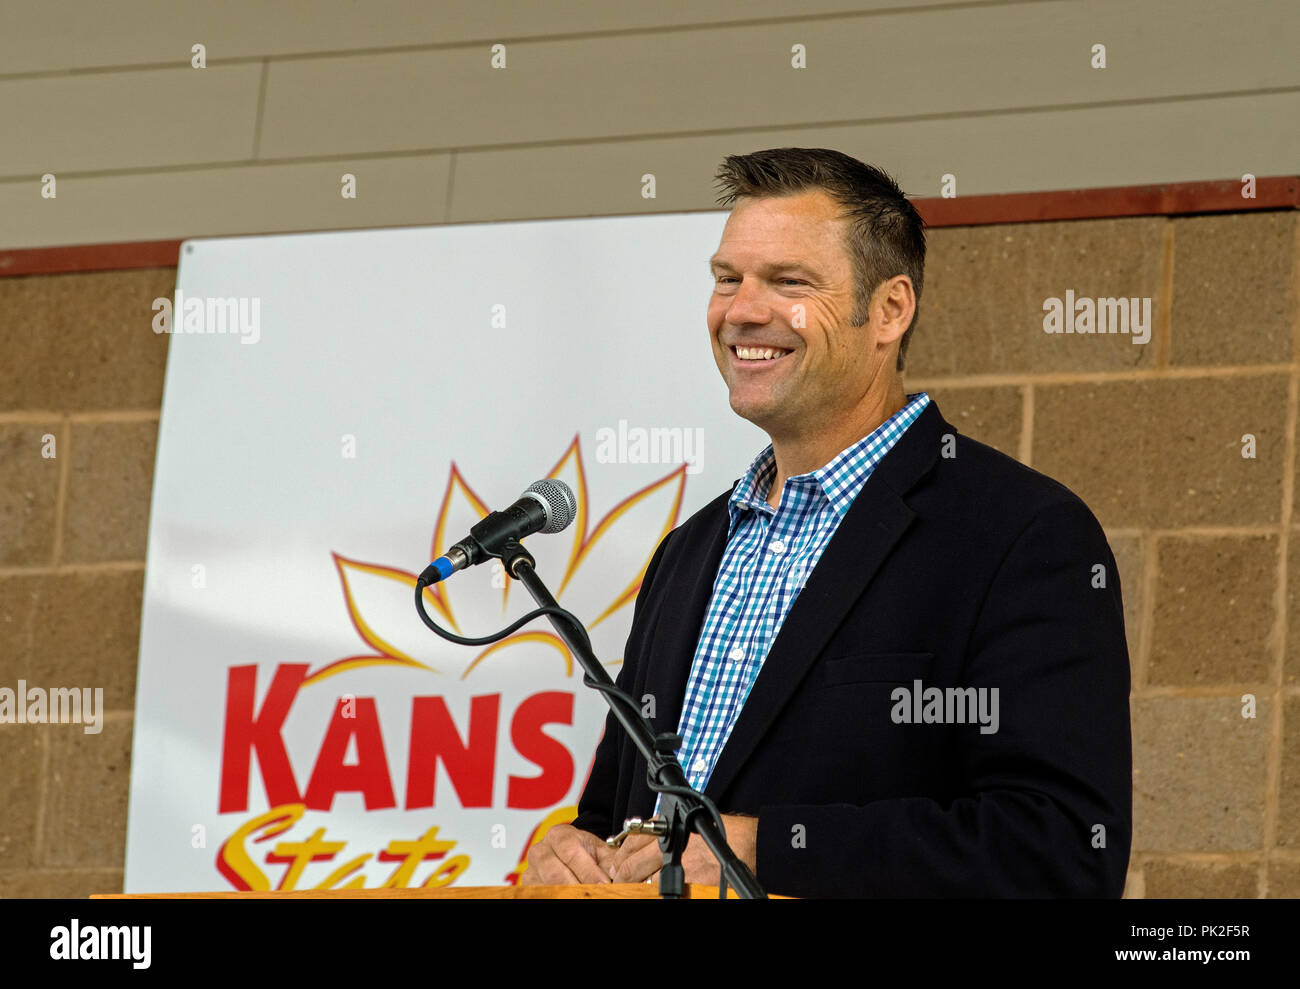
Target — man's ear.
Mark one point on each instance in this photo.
(894, 304)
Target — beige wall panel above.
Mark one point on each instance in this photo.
(1016, 152)
(149, 117)
(212, 202)
(1174, 142)
(1165, 142)
(46, 35)
(865, 68)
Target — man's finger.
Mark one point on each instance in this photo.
(545, 868)
(632, 844)
(578, 853)
(640, 864)
(565, 856)
(605, 856)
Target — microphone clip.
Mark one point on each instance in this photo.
(513, 555)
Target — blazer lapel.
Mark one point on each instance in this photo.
(873, 525)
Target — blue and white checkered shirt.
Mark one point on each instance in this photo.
(769, 555)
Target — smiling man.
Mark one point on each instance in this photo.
(831, 636)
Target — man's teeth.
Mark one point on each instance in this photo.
(759, 353)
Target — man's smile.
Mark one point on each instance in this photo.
(757, 356)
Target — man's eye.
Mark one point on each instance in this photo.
(795, 281)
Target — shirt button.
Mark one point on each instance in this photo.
(699, 765)
(737, 654)
(777, 547)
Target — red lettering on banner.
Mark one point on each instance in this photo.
(470, 765)
(246, 733)
(469, 762)
(535, 792)
(369, 776)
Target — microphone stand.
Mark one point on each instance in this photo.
(683, 809)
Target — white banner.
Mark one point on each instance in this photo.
(339, 408)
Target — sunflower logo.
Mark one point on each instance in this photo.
(595, 572)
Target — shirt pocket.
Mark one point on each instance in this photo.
(876, 667)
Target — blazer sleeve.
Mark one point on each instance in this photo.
(1044, 804)
(596, 805)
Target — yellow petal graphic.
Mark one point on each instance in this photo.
(386, 652)
(642, 519)
(520, 637)
(461, 509)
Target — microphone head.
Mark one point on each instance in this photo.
(558, 500)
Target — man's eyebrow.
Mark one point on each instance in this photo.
(791, 265)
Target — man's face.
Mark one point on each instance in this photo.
(789, 371)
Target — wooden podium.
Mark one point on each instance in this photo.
(595, 891)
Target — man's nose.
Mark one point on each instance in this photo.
(749, 304)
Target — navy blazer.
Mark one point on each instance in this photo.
(955, 567)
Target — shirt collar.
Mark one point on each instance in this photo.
(839, 481)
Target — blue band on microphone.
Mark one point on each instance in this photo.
(444, 567)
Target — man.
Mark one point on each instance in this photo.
(896, 656)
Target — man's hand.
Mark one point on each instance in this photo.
(567, 855)
(640, 857)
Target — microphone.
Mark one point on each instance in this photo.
(547, 506)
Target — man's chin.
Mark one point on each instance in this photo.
(762, 414)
